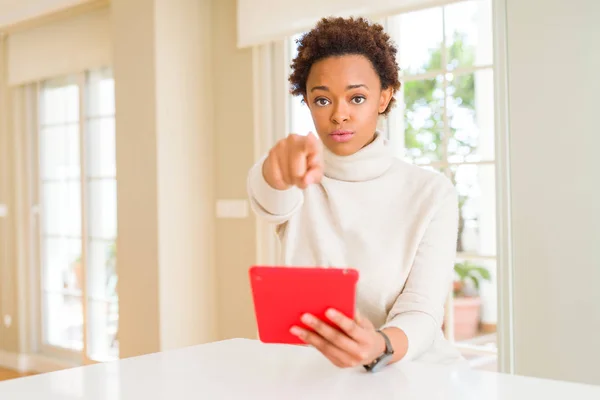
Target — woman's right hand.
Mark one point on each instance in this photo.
(294, 161)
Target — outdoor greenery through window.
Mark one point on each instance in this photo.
(444, 121)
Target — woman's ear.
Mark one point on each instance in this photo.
(384, 99)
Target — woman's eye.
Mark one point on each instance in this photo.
(358, 100)
(321, 102)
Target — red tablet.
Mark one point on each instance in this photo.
(282, 294)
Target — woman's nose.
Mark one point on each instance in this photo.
(341, 113)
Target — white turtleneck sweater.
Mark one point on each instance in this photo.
(394, 222)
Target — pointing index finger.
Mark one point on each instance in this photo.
(311, 145)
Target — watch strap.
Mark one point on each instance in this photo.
(388, 343)
(387, 353)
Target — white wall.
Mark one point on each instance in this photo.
(234, 148)
(8, 334)
(185, 166)
(554, 101)
(60, 47)
(16, 11)
(165, 164)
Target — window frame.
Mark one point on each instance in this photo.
(76, 357)
(395, 122)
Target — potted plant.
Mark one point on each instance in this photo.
(467, 302)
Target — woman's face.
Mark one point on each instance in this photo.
(345, 99)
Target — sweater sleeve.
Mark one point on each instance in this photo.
(274, 206)
(419, 309)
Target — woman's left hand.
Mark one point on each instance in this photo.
(349, 343)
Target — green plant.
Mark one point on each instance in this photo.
(111, 257)
(425, 121)
(466, 272)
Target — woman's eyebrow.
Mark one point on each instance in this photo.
(349, 87)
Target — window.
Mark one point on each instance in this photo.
(77, 194)
(444, 121)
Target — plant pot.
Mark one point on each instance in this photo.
(466, 317)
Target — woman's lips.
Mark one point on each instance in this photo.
(341, 136)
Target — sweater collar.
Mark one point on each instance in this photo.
(368, 163)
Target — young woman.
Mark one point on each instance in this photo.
(346, 201)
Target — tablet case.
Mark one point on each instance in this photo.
(282, 294)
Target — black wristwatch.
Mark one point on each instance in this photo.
(383, 359)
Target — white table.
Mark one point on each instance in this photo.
(246, 369)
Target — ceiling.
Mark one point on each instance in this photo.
(15, 11)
